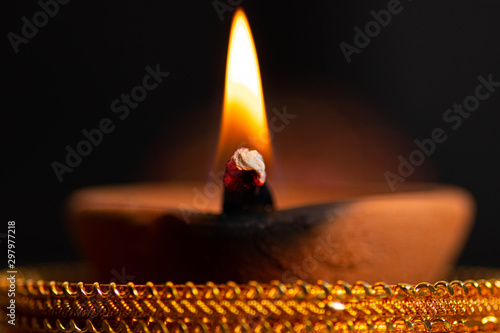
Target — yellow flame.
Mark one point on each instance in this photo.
(244, 122)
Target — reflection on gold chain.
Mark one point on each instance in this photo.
(469, 306)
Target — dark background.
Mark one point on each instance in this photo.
(66, 77)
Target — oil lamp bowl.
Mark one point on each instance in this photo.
(163, 232)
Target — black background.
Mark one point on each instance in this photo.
(66, 77)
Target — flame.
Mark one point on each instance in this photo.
(244, 122)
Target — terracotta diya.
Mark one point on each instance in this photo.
(251, 231)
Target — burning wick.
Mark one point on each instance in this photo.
(245, 189)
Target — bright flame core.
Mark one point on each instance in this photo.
(244, 122)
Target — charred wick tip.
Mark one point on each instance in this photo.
(245, 190)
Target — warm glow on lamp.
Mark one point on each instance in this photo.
(244, 122)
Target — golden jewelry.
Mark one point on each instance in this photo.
(42, 306)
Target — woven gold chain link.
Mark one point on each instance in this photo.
(468, 306)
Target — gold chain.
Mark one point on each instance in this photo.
(42, 306)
